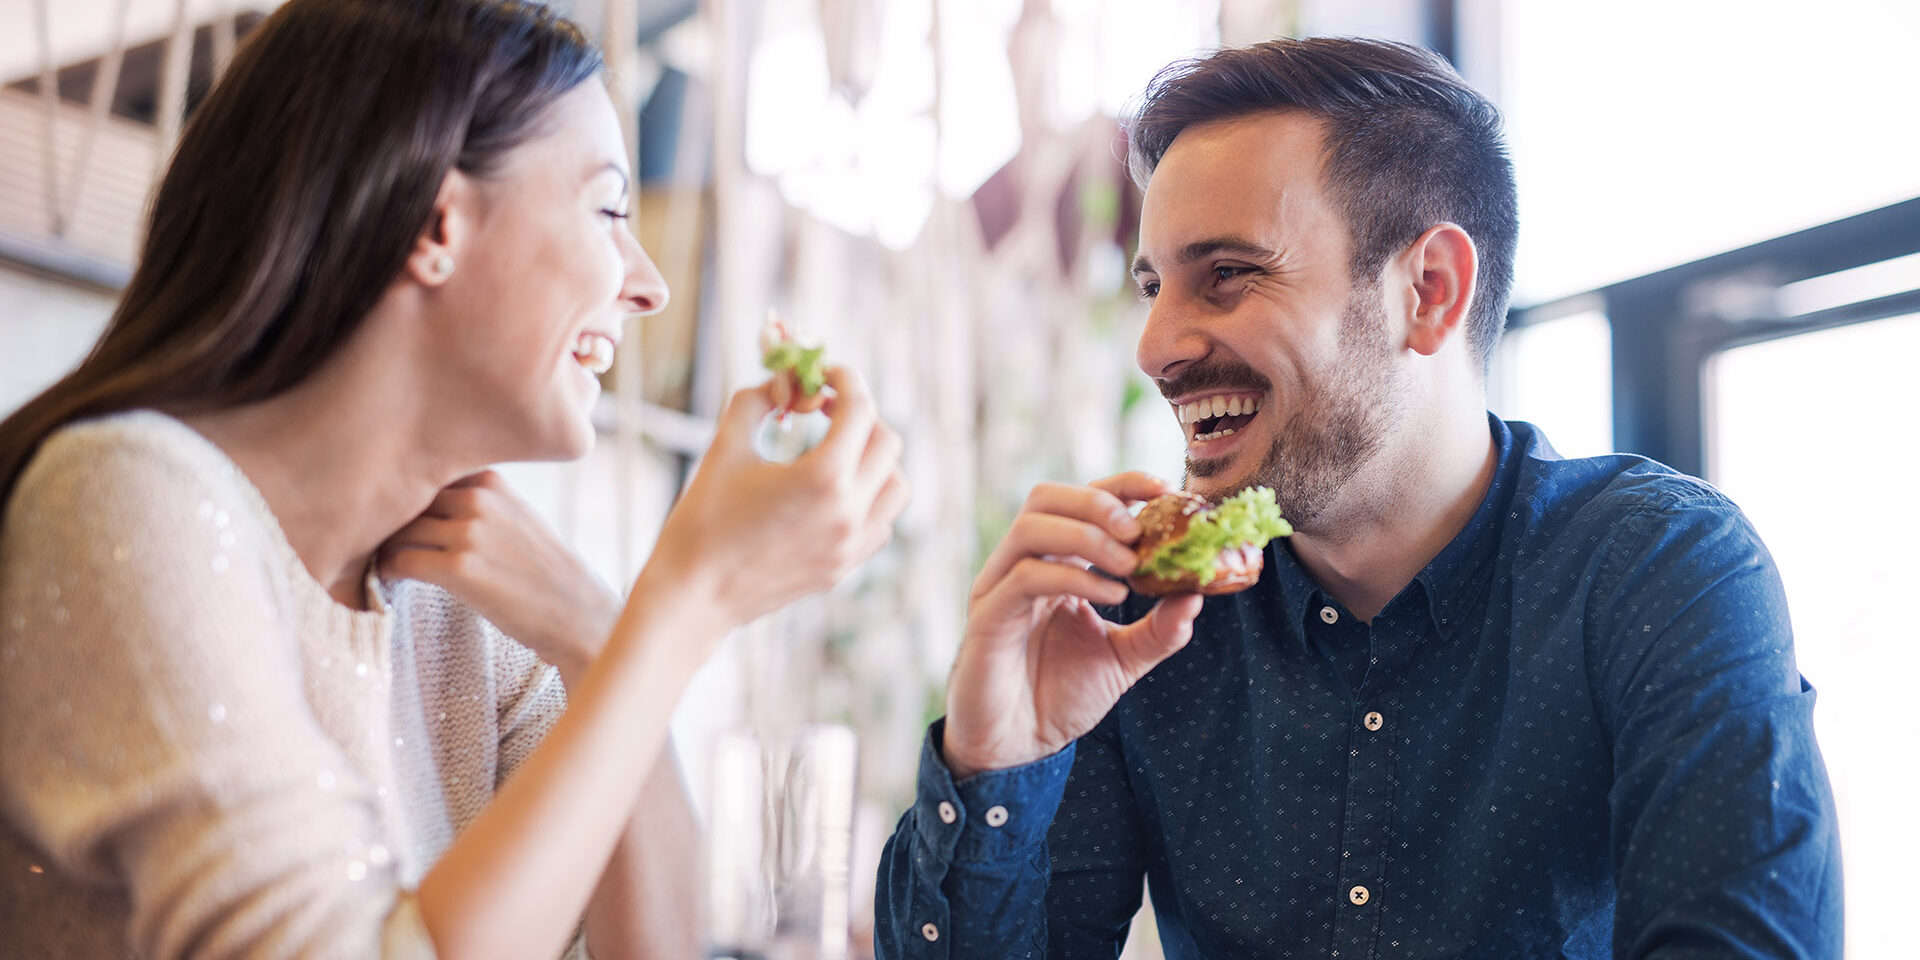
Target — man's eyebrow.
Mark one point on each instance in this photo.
(1213, 246)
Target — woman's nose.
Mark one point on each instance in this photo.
(645, 289)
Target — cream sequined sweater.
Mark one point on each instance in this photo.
(202, 755)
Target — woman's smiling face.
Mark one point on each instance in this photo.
(541, 285)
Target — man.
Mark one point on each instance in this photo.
(1484, 702)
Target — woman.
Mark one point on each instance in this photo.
(389, 247)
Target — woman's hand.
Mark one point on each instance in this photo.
(751, 536)
(483, 544)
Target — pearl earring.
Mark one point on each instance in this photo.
(442, 265)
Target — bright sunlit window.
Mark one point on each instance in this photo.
(1557, 375)
(867, 156)
(1810, 436)
(1648, 133)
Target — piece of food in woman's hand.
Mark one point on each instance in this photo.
(1187, 545)
(799, 371)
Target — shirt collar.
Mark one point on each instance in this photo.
(1454, 580)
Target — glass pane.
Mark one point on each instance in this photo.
(1558, 376)
(1647, 133)
(1812, 436)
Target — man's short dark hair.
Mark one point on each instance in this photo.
(1408, 145)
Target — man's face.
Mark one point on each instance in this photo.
(1277, 365)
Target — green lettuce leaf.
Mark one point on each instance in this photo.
(1249, 518)
(807, 363)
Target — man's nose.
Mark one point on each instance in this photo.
(1170, 341)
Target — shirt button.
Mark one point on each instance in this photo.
(1374, 720)
(1358, 895)
(996, 815)
(1329, 615)
(931, 932)
(947, 813)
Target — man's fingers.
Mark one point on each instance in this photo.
(1033, 579)
(1089, 504)
(1038, 535)
(1160, 634)
(1133, 486)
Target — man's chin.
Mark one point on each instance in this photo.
(1216, 479)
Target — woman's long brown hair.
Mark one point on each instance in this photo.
(298, 189)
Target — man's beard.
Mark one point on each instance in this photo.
(1337, 424)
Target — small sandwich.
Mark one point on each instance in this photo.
(1188, 545)
(799, 371)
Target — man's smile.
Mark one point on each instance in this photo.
(1215, 416)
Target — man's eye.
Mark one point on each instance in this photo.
(1149, 290)
(1223, 274)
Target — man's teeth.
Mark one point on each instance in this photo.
(594, 352)
(1218, 405)
(1217, 434)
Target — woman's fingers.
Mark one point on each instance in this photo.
(887, 505)
(741, 418)
(798, 400)
(878, 462)
(429, 532)
(485, 478)
(780, 389)
(853, 419)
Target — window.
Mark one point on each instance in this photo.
(1812, 436)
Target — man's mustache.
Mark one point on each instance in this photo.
(1214, 376)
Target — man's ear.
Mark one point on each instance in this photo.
(1443, 266)
(436, 251)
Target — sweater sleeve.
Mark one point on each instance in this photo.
(158, 733)
(531, 700)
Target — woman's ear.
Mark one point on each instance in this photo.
(436, 252)
(1443, 266)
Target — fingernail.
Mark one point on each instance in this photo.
(1123, 525)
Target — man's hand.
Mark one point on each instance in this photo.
(483, 544)
(1037, 667)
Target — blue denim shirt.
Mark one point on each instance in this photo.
(1579, 732)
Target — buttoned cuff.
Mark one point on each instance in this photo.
(992, 815)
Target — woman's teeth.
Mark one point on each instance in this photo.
(594, 352)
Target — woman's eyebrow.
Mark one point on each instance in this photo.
(615, 169)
